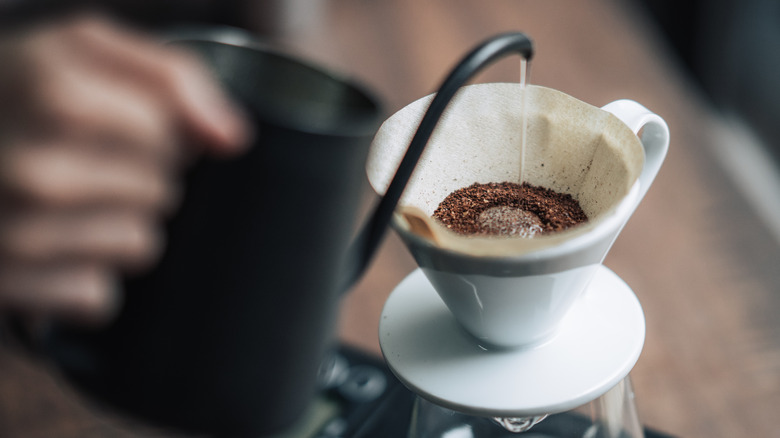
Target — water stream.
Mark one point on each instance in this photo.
(524, 124)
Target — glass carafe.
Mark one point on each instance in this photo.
(612, 415)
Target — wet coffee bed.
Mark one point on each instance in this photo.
(508, 209)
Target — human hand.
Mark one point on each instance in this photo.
(95, 123)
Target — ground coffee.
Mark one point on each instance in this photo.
(508, 209)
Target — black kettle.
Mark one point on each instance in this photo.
(225, 335)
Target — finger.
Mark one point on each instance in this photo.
(177, 78)
(74, 291)
(71, 176)
(91, 107)
(118, 238)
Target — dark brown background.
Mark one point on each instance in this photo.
(702, 263)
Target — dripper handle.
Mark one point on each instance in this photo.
(654, 137)
(367, 241)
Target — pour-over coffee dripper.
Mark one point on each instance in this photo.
(499, 333)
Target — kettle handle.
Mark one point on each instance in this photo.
(367, 241)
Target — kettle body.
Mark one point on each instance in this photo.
(226, 333)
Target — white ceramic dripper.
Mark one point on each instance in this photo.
(511, 292)
(547, 327)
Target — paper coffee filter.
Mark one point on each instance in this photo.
(571, 147)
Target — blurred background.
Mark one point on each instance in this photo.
(701, 252)
(730, 48)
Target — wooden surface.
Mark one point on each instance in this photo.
(701, 262)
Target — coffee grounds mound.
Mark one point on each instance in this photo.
(508, 209)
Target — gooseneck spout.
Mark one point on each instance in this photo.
(370, 236)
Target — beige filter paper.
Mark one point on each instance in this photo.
(571, 147)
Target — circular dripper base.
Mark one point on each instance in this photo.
(596, 346)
